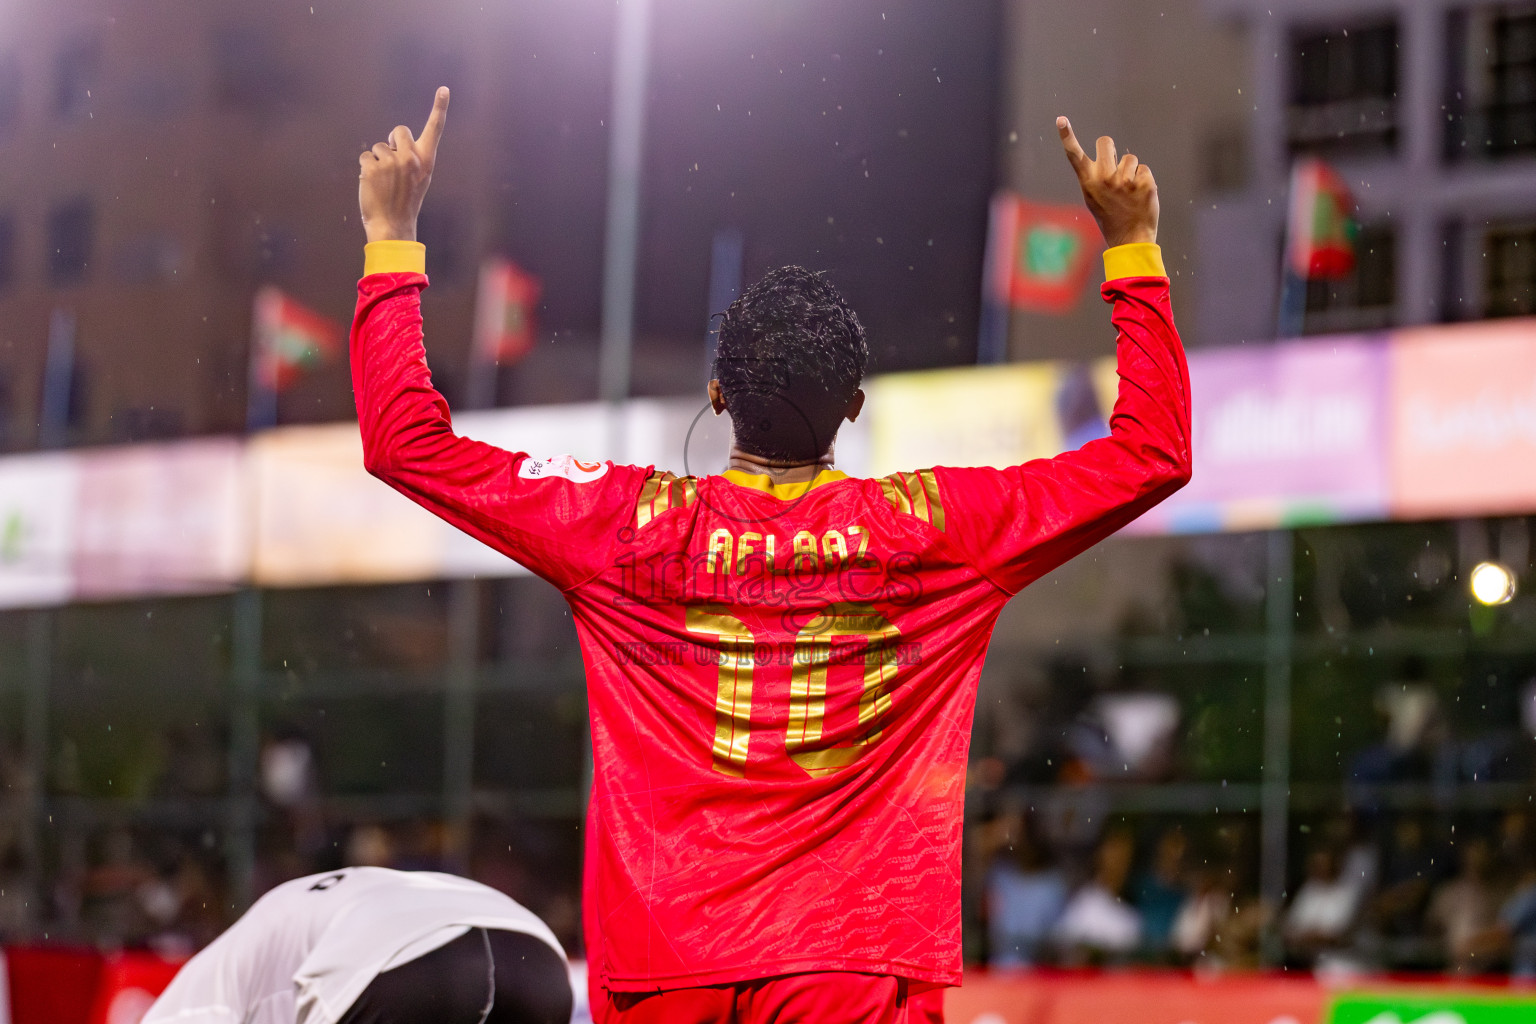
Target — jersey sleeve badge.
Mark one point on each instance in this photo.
(567, 467)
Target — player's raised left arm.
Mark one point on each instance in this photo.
(1019, 523)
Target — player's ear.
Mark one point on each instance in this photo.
(855, 405)
(716, 397)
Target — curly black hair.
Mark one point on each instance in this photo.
(791, 356)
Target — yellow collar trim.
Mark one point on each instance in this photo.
(763, 482)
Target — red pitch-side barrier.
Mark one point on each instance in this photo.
(80, 986)
(68, 986)
(128, 986)
(1133, 998)
(1167, 997)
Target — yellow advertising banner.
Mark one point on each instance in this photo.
(975, 416)
(1104, 372)
(320, 518)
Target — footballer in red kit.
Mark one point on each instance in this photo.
(781, 659)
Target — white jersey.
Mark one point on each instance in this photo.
(307, 949)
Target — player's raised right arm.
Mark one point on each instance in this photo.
(558, 521)
(1119, 190)
(395, 175)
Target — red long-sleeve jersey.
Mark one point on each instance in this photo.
(781, 679)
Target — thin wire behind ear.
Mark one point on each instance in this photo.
(490, 975)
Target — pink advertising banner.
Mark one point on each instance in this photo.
(1464, 420)
(161, 519)
(1284, 435)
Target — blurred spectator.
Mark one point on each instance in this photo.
(1517, 840)
(278, 859)
(183, 907)
(1465, 910)
(1517, 923)
(1025, 896)
(15, 793)
(418, 845)
(1411, 866)
(288, 771)
(1097, 921)
(1196, 928)
(15, 909)
(1324, 908)
(370, 846)
(495, 863)
(110, 893)
(290, 784)
(1071, 820)
(562, 912)
(1241, 935)
(194, 762)
(1408, 753)
(1160, 891)
(1125, 736)
(1360, 864)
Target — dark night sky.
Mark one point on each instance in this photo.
(855, 137)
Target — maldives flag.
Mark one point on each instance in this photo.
(290, 339)
(1320, 228)
(504, 308)
(1039, 255)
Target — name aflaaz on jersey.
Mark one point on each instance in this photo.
(768, 569)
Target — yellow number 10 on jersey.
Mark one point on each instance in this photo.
(807, 687)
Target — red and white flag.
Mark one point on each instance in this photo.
(290, 339)
(1039, 254)
(1320, 229)
(504, 312)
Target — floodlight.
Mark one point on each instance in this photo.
(1492, 583)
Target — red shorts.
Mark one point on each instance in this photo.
(832, 997)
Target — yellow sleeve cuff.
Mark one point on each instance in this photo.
(401, 257)
(1138, 259)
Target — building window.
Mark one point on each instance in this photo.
(7, 249)
(415, 69)
(1343, 90)
(76, 75)
(1509, 283)
(276, 249)
(1491, 84)
(71, 227)
(252, 71)
(1366, 298)
(147, 423)
(147, 258)
(10, 90)
(1224, 159)
(441, 229)
(8, 423)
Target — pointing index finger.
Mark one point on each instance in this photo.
(1075, 154)
(433, 132)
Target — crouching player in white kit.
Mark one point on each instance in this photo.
(375, 946)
